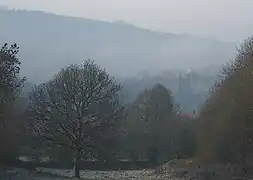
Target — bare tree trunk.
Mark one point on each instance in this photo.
(76, 168)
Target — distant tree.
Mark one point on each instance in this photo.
(76, 109)
(187, 137)
(155, 104)
(152, 154)
(154, 109)
(155, 126)
(10, 88)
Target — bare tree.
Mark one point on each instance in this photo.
(76, 109)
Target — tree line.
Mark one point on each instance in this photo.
(79, 114)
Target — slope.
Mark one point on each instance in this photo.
(49, 42)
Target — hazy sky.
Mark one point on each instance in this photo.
(230, 20)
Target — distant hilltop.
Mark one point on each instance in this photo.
(3, 8)
(49, 42)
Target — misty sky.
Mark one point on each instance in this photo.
(230, 20)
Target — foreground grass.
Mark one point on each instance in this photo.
(173, 170)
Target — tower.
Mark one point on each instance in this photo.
(184, 92)
(184, 84)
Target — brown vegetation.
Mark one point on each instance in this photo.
(225, 122)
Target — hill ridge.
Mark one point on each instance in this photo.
(49, 42)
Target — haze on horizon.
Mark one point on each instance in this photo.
(228, 20)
